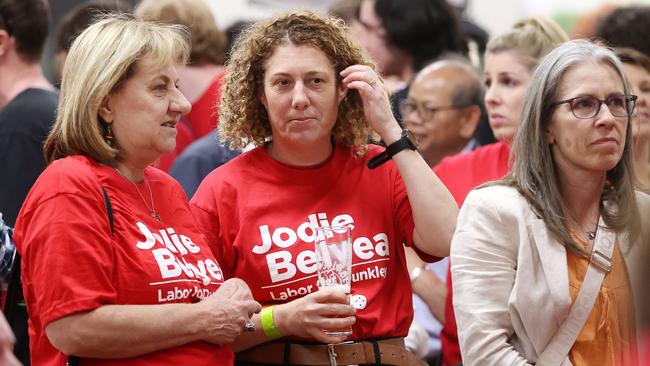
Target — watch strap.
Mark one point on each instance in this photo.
(378, 159)
(397, 146)
(402, 143)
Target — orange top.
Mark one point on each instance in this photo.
(608, 334)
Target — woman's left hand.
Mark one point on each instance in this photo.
(374, 96)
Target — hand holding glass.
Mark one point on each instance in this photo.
(334, 263)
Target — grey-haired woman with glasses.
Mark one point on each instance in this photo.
(540, 258)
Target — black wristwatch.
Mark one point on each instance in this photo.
(407, 141)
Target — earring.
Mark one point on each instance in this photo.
(109, 135)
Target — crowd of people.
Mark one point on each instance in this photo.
(166, 190)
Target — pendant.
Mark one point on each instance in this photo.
(591, 235)
(154, 215)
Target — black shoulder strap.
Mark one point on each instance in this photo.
(109, 209)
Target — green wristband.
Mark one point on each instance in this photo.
(268, 325)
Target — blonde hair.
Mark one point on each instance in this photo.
(530, 38)
(208, 41)
(101, 59)
(243, 118)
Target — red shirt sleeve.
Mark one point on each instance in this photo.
(67, 237)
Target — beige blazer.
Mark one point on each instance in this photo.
(510, 278)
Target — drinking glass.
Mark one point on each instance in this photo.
(334, 264)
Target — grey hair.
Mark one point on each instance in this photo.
(534, 174)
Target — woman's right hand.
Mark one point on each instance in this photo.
(227, 311)
(307, 316)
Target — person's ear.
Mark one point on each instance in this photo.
(550, 136)
(105, 110)
(262, 96)
(342, 92)
(6, 42)
(469, 121)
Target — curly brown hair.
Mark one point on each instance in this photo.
(242, 117)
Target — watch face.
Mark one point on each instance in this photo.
(411, 137)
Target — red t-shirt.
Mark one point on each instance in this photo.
(72, 263)
(462, 173)
(204, 116)
(258, 215)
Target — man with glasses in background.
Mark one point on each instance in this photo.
(443, 108)
(28, 104)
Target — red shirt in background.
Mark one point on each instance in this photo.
(204, 116)
(462, 173)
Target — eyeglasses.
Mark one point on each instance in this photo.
(426, 113)
(588, 106)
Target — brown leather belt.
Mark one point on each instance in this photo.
(390, 351)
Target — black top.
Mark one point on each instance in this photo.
(24, 124)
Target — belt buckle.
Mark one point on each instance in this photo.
(332, 353)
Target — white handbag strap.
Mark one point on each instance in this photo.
(600, 264)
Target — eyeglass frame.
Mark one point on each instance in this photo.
(433, 110)
(628, 98)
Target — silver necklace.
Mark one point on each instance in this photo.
(152, 208)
